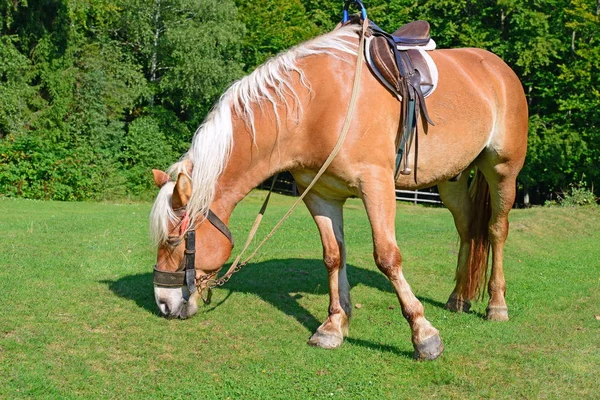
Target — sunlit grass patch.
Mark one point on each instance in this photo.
(78, 317)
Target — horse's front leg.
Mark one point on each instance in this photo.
(328, 217)
(377, 192)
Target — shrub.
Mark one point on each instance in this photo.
(145, 147)
(32, 166)
(577, 195)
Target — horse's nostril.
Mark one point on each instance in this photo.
(164, 308)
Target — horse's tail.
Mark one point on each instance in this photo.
(479, 237)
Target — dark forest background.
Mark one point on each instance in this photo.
(95, 93)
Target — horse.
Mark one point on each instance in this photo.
(287, 116)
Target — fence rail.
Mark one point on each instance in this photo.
(416, 196)
(286, 185)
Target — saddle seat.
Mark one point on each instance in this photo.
(414, 33)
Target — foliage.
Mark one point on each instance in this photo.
(76, 75)
(577, 195)
(73, 113)
(35, 167)
(145, 147)
(15, 89)
(273, 27)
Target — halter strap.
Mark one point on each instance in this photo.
(220, 225)
(186, 272)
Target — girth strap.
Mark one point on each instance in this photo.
(413, 104)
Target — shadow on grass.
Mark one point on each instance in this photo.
(138, 288)
(432, 302)
(442, 306)
(278, 282)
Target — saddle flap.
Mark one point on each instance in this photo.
(420, 63)
(384, 60)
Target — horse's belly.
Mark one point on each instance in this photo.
(328, 186)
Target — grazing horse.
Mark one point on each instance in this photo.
(287, 116)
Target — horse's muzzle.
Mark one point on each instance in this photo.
(175, 302)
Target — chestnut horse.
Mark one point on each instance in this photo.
(287, 116)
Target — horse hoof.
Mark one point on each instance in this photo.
(497, 314)
(457, 304)
(429, 349)
(325, 340)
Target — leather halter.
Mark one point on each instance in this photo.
(186, 273)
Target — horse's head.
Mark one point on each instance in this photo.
(190, 247)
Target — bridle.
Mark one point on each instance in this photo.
(185, 275)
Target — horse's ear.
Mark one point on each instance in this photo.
(182, 191)
(160, 178)
(188, 166)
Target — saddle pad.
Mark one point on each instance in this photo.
(421, 61)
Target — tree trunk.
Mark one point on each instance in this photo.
(154, 56)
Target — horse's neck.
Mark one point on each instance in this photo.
(254, 158)
(284, 138)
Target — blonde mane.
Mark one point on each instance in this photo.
(212, 143)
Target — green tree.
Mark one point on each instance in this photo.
(83, 86)
(189, 50)
(16, 93)
(77, 75)
(273, 27)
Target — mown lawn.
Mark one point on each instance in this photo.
(78, 319)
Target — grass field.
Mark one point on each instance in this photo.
(78, 319)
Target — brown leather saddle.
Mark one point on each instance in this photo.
(402, 66)
(410, 38)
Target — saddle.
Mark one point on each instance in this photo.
(410, 43)
(400, 63)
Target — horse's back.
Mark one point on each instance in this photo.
(479, 104)
(489, 79)
(477, 70)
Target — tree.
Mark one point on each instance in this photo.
(272, 27)
(189, 50)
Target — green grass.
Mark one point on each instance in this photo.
(78, 319)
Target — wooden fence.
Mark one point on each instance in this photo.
(418, 196)
(286, 185)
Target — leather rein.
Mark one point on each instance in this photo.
(186, 273)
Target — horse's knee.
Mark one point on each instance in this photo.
(332, 260)
(389, 262)
(332, 257)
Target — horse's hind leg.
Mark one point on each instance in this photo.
(328, 217)
(482, 222)
(377, 192)
(501, 178)
(456, 198)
